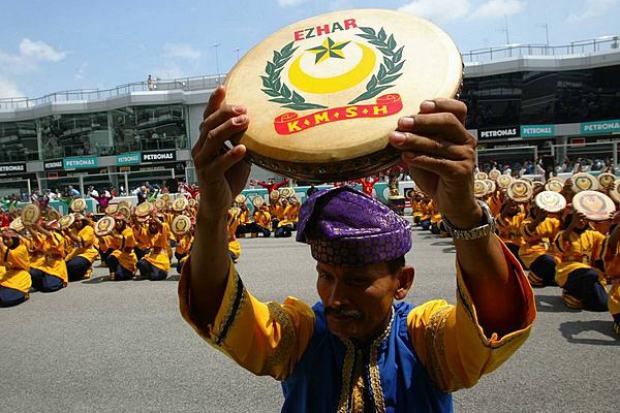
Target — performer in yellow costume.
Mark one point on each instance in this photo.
(50, 273)
(83, 253)
(611, 257)
(122, 260)
(262, 219)
(287, 223)
(234, 246)
(509, 223)
(15, 281)
(142, 237)
(184, 244)
(580, 247)
(539, 231)
(156, 264)
(357, 349)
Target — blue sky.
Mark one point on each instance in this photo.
(48, 46)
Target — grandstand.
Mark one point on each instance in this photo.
(525, 101)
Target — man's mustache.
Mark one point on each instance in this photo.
(343, 313)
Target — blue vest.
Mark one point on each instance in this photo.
(317, 381)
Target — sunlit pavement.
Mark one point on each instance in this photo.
(100, 346)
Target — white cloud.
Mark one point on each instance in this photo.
(41, 51)
(498, 8)
(9, 89)
(288, 3)
(438, 10)
(180, 51)
(593, 9)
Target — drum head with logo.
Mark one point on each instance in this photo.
(144, 209)
(584, 182)
(258, 201)
(503, 181)
(111, 209)
(192, 202)
(179, 204)
(159, 204)
(606, 180)
(520, 190)
(78, 205)
(324, 93)
(104, 226)
(274, 195)
(480, 188)
(482, 176)
(125, 210)
(240, 199)
(494, 174)
(125, 203)
(550, 201)
(17, 225)
(287, 192)
(554, 185)
(66, 221)
(53, 214)
(595, 205)
(166, 198)
(181, 224)
(30, 214)
(490, 185)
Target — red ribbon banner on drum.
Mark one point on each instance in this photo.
(290, 122)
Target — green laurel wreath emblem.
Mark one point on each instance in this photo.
(390, 69)
(278, 90)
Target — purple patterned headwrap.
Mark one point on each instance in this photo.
(346, 227)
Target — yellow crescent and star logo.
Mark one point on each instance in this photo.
(330, 77)
(298, 78)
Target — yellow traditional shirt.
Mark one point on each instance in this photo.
(270, 338)
(54, 258)
(16, 263)
(122, 245)
(263, 219)
(184, 243)
(611, 259)
(577, 251)
(540, 241)
(158, 255)
(509, 228)
(142, 237)
(85, 248)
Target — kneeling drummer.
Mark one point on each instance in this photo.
(122, 260)
(156, 264)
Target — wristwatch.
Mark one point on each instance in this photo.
(487, 226)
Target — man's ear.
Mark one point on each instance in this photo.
(405, 281)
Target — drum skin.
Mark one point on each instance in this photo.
(323, 94)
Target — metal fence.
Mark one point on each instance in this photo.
(489, 54)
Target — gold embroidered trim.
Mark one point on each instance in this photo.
(347, 371)
(435, 346)
(287, 336)
(375, 374)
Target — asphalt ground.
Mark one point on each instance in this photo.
(100, 346)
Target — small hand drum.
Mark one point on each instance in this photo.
(550, 201)
(181, 224)
(180, 204)
(324, 93)
(554, 184)
(596, 206)
(30, 214)
(520, 191)
(584, 182)
(104, 226)
(504, 181)
(78, 205)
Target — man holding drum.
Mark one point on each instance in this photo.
(413, 356)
